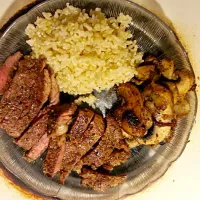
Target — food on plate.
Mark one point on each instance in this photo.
(81, 123)
(116, 158)
(166, 68)
(36, 130)
(111, 140)
(38, 149)
(18, 109)
(88, 58)
(89, 99)
(78, 145)
(164, 96)
(86, 51)
(130, 110)
(53, 160)
(54, 96)
(61, 117)
(100, 182)
(7, 71)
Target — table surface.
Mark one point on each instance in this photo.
(182, 179)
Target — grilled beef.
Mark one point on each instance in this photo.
(36, 130)
(81, 123)
(7, 71)
(38, 149)
(60, 118)
(100, 182)
(78, 147)
(54, 156)
(116, 158)
(111, 139)
(25, 97)
(54, 96)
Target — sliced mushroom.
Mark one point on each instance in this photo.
(131, 100)
(151, 59)
(159, 101)
(145, 73)
(186, 81)
(147, 118)
(160, 134)
(130, 113)
(181, 108)
(132, 125)
(126, 135)
(166, 68)
(173, 88)
(165, 102)
(132, 143)
(150, 106)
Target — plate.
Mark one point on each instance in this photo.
(145, 165)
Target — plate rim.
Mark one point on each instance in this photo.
(37, 3)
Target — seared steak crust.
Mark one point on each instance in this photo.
(76, 148)
(7, 71)
(36, 130)
(116, 158)
(100, 182)
(81, 123)
(111, 139)
(25, 97)
(61, 116)
(38, 149)
(54, 156)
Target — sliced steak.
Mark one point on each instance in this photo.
(76, 148)
(54, 96)
(116, 158)
(7, 71)
(100, 182)
(81, 123)
(111, 139)
(60, 118)
(38, 149)
(54, 156)
(36, 130)
(25, 97)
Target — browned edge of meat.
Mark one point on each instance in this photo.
(54, 96)
(18, 109)
(60, 119)
(76, 148)
(54, 156)
(100, 182)
(116, 158)
(37, 129)
(111, 139)
(81, 123)
(38, 149)
(7, 71)
(62, 116)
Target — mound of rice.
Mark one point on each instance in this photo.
(86, 51)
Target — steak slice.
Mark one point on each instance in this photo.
(76, 148)
(111, 139)
(25, 97)
(116, 158)
(60, 118)
(100, 182)
(81, 123)
(36, 130)
(53, 160)
(7, 71)
(38, 149)
(54, 96)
